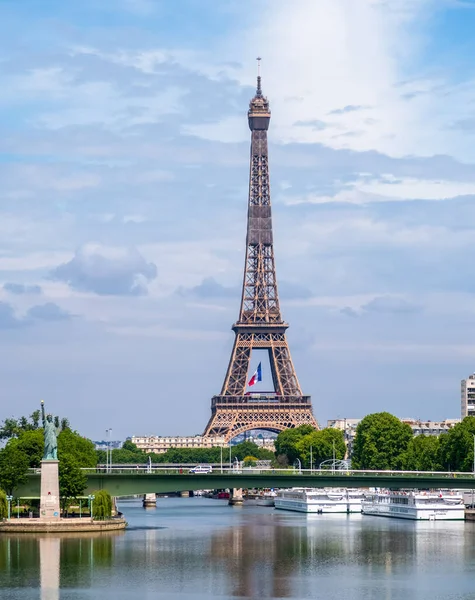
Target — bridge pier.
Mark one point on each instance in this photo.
(149, 501)
(235, 497)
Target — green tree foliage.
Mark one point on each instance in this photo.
(286, 443)
(72, 481)
(422, 454)
(13, 468)
(102, 505)
(78, 447)
(130, 454)
(456, 447)
(322, 444)
(380, 441)
(11, 427)
(3, 506)
(31, 443)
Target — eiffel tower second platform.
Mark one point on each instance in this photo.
(260, 324)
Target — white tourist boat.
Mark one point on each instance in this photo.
(320, 500)
(415, 505)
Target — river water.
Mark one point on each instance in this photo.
(195, 548)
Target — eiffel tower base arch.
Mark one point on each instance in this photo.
(232, 416)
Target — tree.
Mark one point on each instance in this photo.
(13, 427)
(13, 468)
(286, 442)
(322, 444)
(422, 454)
(380, 441)
(31, 443)
(102, 505)
(73, 444)
(72, 480)
(3, 505)
(456, 447)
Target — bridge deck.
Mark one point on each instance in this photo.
(127, 481)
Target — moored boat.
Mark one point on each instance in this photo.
(322, 501)
(415, 505)
(266, 499)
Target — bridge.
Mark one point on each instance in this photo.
(125, 481)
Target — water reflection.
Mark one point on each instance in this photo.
(49, 567)
(48, 562)
(196, 550)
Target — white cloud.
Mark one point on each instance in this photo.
(387, 188)
(320, 57)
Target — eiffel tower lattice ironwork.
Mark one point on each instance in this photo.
(260, 324)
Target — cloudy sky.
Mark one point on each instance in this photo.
(124, 164)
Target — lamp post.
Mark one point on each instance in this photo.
(311, 458)
(333, 468)
(230, 462)
(221, 460)
(9, 500)
(18, 508)
(91, 500)
(108, 450)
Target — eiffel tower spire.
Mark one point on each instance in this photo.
(260, 324)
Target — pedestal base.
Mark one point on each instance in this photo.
(49, 500)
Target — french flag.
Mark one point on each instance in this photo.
(256, 377)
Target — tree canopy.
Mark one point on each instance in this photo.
(286, 443)
(3, 505)
(319, 445)
(380, 441)
(72, 481)
(422, 454)
(102, 505)
(13, 468)
(457, 447)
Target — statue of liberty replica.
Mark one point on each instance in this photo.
(51, 435)
(49, 502)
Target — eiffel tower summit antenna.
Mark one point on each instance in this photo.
(260, 324)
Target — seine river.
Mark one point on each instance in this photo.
(194, 548)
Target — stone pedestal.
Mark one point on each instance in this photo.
(49, 502)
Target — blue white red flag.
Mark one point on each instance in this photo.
(256, 377)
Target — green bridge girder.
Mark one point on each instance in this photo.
(128, 483)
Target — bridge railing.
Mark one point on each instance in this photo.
(250, 471)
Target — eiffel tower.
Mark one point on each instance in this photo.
(260, 324)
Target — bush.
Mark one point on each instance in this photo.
(102, 505)
(249, 461)
(3, 506)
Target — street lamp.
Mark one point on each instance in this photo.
(91, 499)
(108, 450)
(9, 500)
(221, 460)
(311, 458)
(333, 468)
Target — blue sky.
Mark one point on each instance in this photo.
(124, 164)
